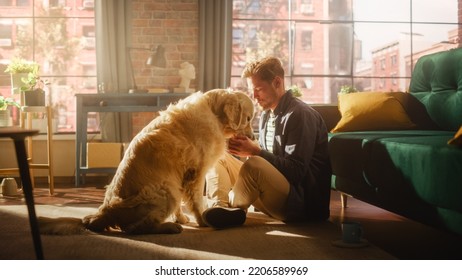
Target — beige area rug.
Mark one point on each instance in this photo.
(260, 238)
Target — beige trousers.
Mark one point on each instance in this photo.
(236, 183)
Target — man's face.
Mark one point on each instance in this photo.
(263, 92)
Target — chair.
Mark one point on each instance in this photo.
(26, 122)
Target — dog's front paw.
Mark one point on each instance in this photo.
(95, 223)
(170, 228)
(182, 219)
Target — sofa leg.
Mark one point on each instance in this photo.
(344, 200)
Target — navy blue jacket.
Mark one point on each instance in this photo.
(300, 153)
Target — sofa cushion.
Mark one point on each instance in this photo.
(423, 165)
(371, 111)
(437, 83)
(413, 173)
(349, 151)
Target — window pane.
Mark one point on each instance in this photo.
(60, 37)
(322, 49)
(305, 9)
(390, 84)
(22, 2)
(6, 2)
(431, 34)
(391, 34)
(435, 11)
(238, 83)
(6, 34)
(61, 94)
(325, 44)
(257, 9)
(84, 8)
(317, 90)
(379, 10)
(257, 39)
(55, 46)
(336, 9)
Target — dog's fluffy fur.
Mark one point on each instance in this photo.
(164, 165)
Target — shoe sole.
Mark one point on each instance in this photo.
(220, 218)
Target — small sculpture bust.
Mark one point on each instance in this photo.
(187, 73)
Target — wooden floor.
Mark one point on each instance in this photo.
(394, 234)
(401, 237)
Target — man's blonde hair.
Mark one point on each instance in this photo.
(266, 69)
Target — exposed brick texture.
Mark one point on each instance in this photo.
(173, 24)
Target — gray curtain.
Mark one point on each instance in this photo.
(112, 35)
(215, 43)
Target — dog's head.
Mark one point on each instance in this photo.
(234, 109)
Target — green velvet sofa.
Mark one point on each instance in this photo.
(412, 172)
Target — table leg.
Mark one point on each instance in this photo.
(23, 165)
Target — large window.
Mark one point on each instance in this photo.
(60, 36)
(324, 44)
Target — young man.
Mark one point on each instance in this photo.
(287, 174)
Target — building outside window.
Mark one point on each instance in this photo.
(60, 36)
(307, 40)
(394, 60)
(371, 44)
(383, 64)
(6, 34)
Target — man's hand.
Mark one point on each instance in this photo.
(243, 146)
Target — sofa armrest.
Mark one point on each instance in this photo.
(330, 114)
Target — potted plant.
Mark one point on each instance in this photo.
(347, 89)
(5, 102)
(32, 88)
(19, 68)
(296, 91)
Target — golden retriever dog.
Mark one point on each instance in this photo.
(164, 165)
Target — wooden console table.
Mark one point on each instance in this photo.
(145, 102)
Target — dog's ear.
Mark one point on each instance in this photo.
(233, 111)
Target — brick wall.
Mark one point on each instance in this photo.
(173, 24)
(459, 13)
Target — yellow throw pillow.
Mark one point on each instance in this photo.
(457, 139)
(371, 111)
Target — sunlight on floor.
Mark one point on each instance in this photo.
(286, 234)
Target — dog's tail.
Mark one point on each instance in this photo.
(61, 226)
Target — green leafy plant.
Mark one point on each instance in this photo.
(20, 65)
(33, 82)
(347, 89)
(7, 101)
(296, 92)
